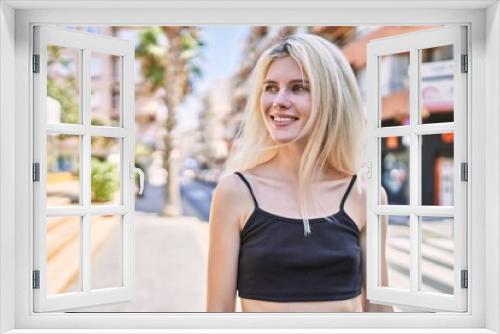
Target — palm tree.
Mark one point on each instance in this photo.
(168, 61)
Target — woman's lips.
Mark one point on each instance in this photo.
(282, 121)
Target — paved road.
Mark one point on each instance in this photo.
(196, 199)
(198, 195)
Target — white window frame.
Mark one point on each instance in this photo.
(124, 132)
(413, 43)
(16, 18)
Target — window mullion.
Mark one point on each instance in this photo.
(414, 170)
(433, 128)
(127, 177)
(86, 170)
(419, 210)
(65, 129)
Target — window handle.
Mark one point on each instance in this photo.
(134, 170)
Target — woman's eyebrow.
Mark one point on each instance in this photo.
(291, 81)
(300, 80)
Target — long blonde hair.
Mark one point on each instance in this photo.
(336, 114)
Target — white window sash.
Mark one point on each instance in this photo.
(412, 42)
(87, 43)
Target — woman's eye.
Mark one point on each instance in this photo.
(300, 88)
(270, 88)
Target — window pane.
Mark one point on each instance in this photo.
(107, 251)
(437, 169)
(105, 89)
(63, 85)
(437, 254)
(63, 255)
(63, 170)
(436, 84)
(395, 169)
(105, 173)
(398, 252)
(394, 89)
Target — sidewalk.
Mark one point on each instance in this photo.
(171, 264)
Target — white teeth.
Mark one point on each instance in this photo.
(283, 119)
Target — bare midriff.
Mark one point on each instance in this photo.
(347, 305)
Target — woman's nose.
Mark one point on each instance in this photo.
(281, 99)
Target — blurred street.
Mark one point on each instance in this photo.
(171, 256)
(185, 137)
(437, 257)
(170, 265)
(196, 198)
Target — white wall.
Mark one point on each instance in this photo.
(492, 166)
(6, 166)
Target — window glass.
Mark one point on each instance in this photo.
(63, 255)
(437, 169)
(105, 99)
(105, 171)
(436, 255)
(63, 84)
(436, 84)
(63, 170)
(106, 234)
(397, 250)
(395, 169)
(394, 90)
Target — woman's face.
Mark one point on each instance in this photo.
(285, 100)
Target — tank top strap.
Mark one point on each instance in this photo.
(248, 186)
(353, 179)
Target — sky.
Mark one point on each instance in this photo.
(221, 57)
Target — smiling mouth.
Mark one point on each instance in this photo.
(283, 120)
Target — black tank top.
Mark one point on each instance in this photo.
(277, 263)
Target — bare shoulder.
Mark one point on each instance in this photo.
(229, 185)
(232, 197)
(359, 192)
(357, 201)
(360, 198)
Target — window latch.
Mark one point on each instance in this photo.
(368, 170)
(134, 170)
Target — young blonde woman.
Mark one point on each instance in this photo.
(287, 231)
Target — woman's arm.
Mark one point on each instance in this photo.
(367, 306)
(224, 243)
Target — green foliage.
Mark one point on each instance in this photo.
(65, 89)
(153, 48)
(64, 93)
(104, 180)
(142, 150)
(54, 53)
(192, 46)
(97, 121)
(152, 54)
